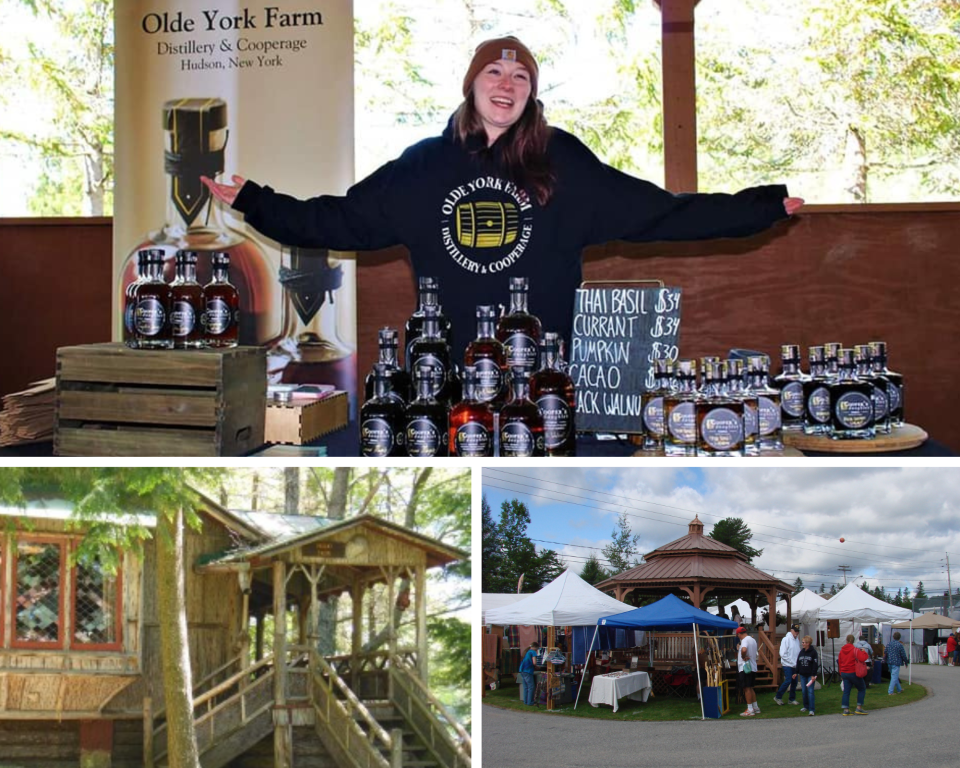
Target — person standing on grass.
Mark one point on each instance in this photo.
(747, 670)
(789, 650)
(896, 657)
(847, 662)
(808, 664)
(952, 650)
(526, 672)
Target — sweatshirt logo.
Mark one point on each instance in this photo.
(486, 224)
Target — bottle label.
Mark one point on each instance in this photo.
(149, 317)
(769, 416)
(424, 438)
(653, 416)
(518, 441)
(791, 399)
(854, 410)
(894, 397)
(439, 377)
(376, 438)
(521, 351)
(750, 420)
(183, 318)
(489, 380)
(557, 420)
(722, 429)
(473, 440)
(880, 406)
(818, 405)
(217, 316)
(683, 423)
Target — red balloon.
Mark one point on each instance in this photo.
(841, 539)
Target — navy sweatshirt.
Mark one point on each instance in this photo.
(467, 225)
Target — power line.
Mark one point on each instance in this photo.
(668, 506)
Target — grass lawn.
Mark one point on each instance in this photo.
(671, 708)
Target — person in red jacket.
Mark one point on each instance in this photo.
(952, 650)
(847, 662)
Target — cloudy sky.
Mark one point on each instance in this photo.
(898, 524)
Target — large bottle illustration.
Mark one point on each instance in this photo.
(195, 138)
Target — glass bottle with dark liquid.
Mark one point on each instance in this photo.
(680, 411)
(865, 372)
(130, 298)
(769, 426)
(471, 421)
(719, 417)
(388, 340)
(521, 425)
(429, 297)
(878, 353)
(487, 355)
(553, 392)
(518, 330)
(187, 306)
(738, 390)
(651, 405)
(151, 313)
(816, 395)
(221, 306)
(426, 418)
(851, 401)
(790, 383)
(429, 349)
(382, 418)
(195, 133)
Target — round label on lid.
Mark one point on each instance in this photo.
(722, 429)
(376, 438)
(854, 410)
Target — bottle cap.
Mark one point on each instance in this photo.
(711, 370)
(663, 366)
(187, 257)
(734, 367)
(220, 259)
(686, 369)
(519, 284)
(387, 337)
(831, 350)
(790, 353)
(486, 312)
(195, 148)
(550, 342)
(816, 354)
(878, 349)
(847, 358)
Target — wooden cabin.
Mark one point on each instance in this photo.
(80, 669)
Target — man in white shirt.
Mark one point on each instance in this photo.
(789, 651)
(747, 670)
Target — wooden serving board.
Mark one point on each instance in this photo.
(788, 451)
(900, 439)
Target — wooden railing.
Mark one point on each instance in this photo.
(440, 732)
(375, 661)
(767, 653)
(341, 716)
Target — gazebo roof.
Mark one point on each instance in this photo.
(694, 559)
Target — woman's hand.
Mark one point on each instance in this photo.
(225, 193)
(790, 204)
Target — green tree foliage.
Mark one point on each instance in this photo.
(491, 557)
(517, 555)
(798, 586)
(735, 533)
(66, 63)
(920, 593)
(833, 589)
(621, 553)
(592, 572)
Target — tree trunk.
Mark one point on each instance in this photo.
(255, 492)
(291, 490)
(327, 615)
(93, 171)
(174, 648)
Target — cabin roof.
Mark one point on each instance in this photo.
(61, 509)
(438, 553)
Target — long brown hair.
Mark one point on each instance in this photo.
(523, 148)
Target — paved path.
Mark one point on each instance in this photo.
(922, 734)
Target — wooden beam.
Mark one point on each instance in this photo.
(421, 610)
(679, 96)
(282, 733)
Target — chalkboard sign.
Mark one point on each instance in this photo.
(619, 329)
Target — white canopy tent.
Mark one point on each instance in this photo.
(852, 604)
(567, 601)
(491, 600)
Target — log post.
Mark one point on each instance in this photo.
(147, 732)
(421, 608)
(679, 95)
(282, 732)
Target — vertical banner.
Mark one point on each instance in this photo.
(263, 91)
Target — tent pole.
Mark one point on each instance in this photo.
(696, 665)
(910, 678)
(586, 665)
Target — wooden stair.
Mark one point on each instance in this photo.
(416, 754)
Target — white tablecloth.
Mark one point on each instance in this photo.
(607, 689)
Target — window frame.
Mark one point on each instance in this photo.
(118, 612)
(15, 641)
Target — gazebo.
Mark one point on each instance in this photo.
(698, 566)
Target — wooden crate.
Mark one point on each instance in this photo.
(115, 401)
(301, 423)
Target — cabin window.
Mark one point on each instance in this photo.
(96, 607)
(38, 585)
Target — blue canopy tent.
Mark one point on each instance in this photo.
(669, 613)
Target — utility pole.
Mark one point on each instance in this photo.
(949, 587)
(844, 568)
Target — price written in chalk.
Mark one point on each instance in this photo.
(618, 333)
